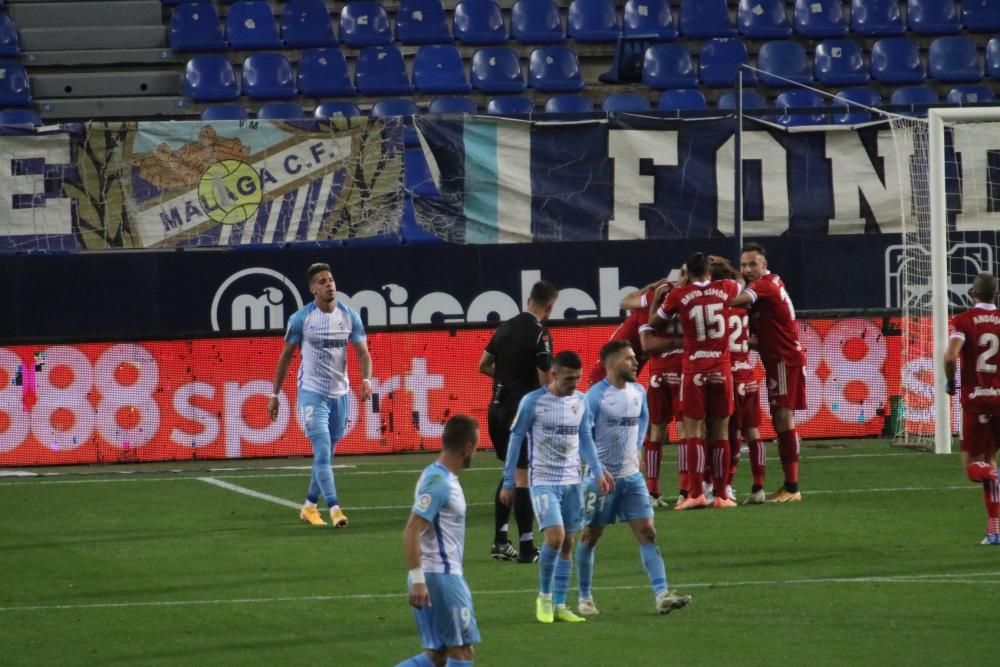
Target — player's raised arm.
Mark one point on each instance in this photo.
(745, 298)
(661, 307)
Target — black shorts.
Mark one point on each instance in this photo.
(498, 420)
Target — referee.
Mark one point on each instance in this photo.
(518, 358)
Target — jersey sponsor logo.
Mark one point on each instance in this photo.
(623, 421)
(254, 299)
(562, 429)
(705, 354)
(332, 342)
(985, 392)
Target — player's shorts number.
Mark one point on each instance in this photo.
(594, 501)
(466, 615)
(541, 503)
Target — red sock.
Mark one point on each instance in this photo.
(682, 467)
(991, 498)
(696, 466)
(788, 449)
(720, 467)
(653, 452)
(734, 458)
(981, 472)
(758, 462)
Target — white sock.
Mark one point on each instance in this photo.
(309, 505)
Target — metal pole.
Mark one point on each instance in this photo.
(738, 164)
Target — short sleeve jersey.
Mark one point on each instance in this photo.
(550, 426)
(323, 338)
(772, 317)
(739, 344)
(701, 310)
(439, 499)
(628, 330)
(979, 327)
(520, 346)
(618, 418)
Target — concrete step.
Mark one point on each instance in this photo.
(105, 38)
(84, 14)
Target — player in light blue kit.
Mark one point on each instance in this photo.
(617, 416)
(552, 419)
(434, 539)
(323, 329)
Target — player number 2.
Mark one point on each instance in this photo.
(592, 501)
(992, 344)
(737, 324)
(710, 315)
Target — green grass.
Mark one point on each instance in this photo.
(160, 568)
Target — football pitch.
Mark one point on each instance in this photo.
(204, 565)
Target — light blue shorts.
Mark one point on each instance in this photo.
(558, 505)
(449, 619)
(321, 413)
(628, 502)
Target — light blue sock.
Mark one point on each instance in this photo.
(322, 472)
(560, 581)
(419, 660)
(652, 562)
(455, 662)
(546, 568)
(584, 569)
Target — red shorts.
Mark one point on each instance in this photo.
(786, 385)
(664, 398)
(707, 394)
(980, 433)
(746, 405)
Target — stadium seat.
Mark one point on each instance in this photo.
(268, 76)
(649, 17)
(9, 44)
(791, 99)
(703, 19)
(786, 59)
(976, 94)
(954, 59)
(331, 109)
(568, 104)
(207, 78)
(554, 69)
(876, 18)
(195, 26)
(497, 69)
(422, 22)
(839, 62)
(751, 100)
(820, 18)
(933, 17)
(439, 69)
(224, 112)
(914, 95)
(981, 15)
(593, 21)
(280, 111)
(719, 63)
(364, 24)
(536, 22)
(992, 57)
(763, 19)
(250, 25)
(305, 24)
(625, 102)
(380, 70)
(853, 115)
(399, 107)
(479, 22)
(509, 104)
(668, 66)
(416, 176)
(323, 73)
(682, 99)
(895, 60)
(453, 104)
(19, 117)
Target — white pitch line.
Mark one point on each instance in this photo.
(958, 578)
(249, 492)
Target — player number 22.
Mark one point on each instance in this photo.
(710, 315)
(991, 342)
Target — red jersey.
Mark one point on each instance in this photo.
(980, 357)
(700, 308)
(773, 319)
(627, 330)
(739, 344)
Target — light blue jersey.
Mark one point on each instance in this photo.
(618, 419)
(439, 499)
(323, 338)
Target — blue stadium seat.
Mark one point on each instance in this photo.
(323, 73)
(875, 18)
(195, 26)
(791, 99)
(9, 44)
(820, 18)
(224, 112)
(964, 95)
(19, 117)
(593, 21)
(981, 15)
(853, 115)
(453, 104)
(649, 17)
(305, 24)
(751, 100)
(839, 62)
(479, 22)
(763, 19)
(786, 59)
(568, 104)
(497, 69)
(250, 25)
(626, 103)
(208, 78)
(399, 107)
(380, 70)
(895, 60)
(331, 109)
(280, 111)
(439, 69)
(364, 24)
(422, 22)
(992, 57)
(536, 22)
(668, 66)
(554, 69)
(682, 99)
(954, 59)
(914, 95)
(509, 104)
(719, 63)
(933, 17)
(416, 176)
(268, 76)
(702, 19)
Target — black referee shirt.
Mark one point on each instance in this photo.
(520, 346)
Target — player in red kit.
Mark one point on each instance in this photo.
(638, 303)
(772, 318)
(707, 382)
(975, 339)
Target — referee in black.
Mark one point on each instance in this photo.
(518, 358)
